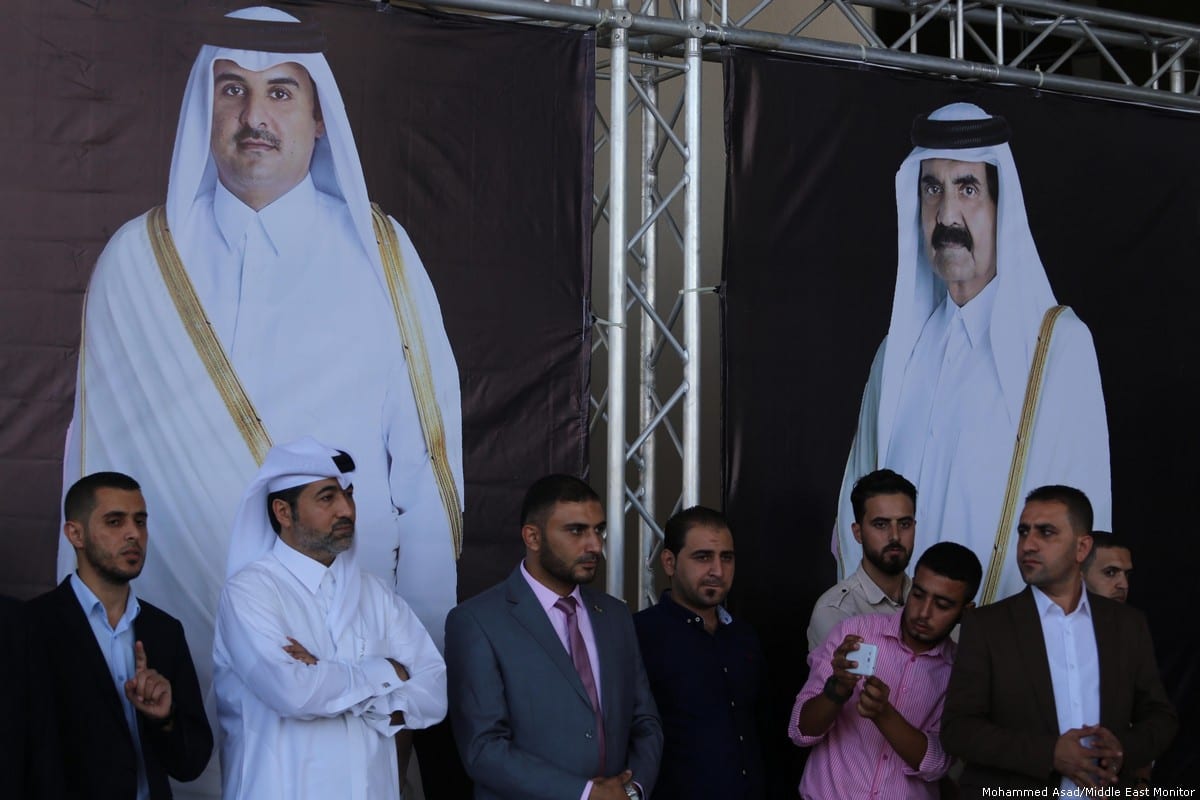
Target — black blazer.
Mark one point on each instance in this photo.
(92, 754)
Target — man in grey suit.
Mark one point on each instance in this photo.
(548, 695)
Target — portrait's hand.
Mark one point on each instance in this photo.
(401, 672)
(299, 652)
(1080, 761)
(873, 699)
(148, 691)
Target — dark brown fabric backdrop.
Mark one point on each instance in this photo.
(475, 135)
(1113, 197)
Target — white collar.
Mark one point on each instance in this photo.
(88, 600)
(1047, 607)
(286, 221)
(976, 315)
(308, 571)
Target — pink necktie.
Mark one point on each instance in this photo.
(583, 665)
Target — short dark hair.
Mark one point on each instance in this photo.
(290, 496)
(873, 484)
(677, 527)
(547, 492)
(1079, 508)
(80, 500)
(1102, 540)
(956, 562)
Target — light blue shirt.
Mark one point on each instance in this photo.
(116, 645)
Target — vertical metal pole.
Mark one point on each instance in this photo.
(619, 67)
(691, 259)
(912, 40)
(1176, 73)
(956, 51)
(646, 536)
(1000, 35)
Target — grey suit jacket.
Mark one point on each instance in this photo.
(521, 717)
(1000, 716)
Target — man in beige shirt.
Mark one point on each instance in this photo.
(885, 524)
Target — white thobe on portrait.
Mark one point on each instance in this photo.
(293, 731)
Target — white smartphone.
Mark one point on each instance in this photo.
(865, 656)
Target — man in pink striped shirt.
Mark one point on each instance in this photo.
(876, 736)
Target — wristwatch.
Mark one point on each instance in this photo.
(632, 791)
(831, 691)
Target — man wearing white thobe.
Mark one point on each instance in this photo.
(268, 210)
(317, 663)
(945, 393)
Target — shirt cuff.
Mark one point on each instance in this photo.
(936, 762)
(587, 789)
(380, 674)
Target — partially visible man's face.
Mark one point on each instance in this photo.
(702, 572)
(264, 129)
(934, 606)
(569, 545)
(887, 532)
(1049, 550)
(1108, 574)
(112, 540)
(323, 525)
(958, 223)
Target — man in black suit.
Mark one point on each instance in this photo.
(125, 704)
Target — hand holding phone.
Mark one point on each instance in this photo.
(864, 656)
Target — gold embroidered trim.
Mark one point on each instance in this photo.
(81, 400)
(238, 403)
(419, 372)
(1016, 472)
(191, 313)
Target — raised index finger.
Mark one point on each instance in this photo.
(139, 656)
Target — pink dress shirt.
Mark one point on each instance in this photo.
(558, 620)
(852, 760)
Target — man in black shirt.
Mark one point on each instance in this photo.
(705, 668)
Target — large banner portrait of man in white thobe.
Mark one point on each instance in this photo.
(944, 218)
(268, 300)
(959, 374)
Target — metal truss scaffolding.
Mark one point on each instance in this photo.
(653, 75)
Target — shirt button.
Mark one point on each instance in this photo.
(725, 669)
(731, 704)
